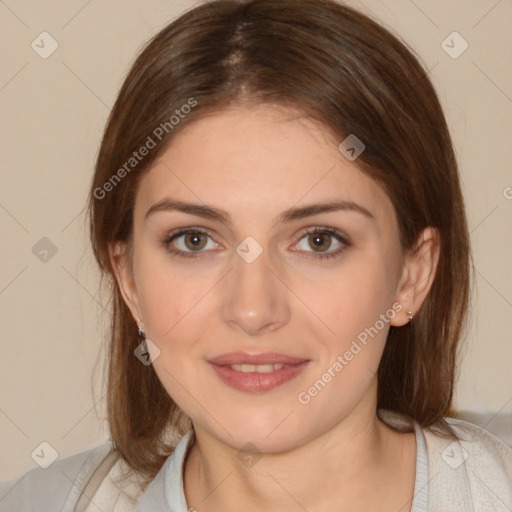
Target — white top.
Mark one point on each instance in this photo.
(473, 474)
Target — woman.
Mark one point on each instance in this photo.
(277, 205)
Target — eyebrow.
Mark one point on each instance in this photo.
(294, 213)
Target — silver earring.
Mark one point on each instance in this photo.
(409, 315)
(142, 334)
(142, 338)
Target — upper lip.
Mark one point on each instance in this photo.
(263, 358)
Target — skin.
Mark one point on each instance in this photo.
(254, 164)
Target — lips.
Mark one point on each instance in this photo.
(264, 358)
(257, 372)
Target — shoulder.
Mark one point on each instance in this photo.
(474, 443)
(473, 472)
(57, 487)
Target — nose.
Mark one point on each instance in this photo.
(256, 300)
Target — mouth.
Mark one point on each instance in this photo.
(257, 372)
(258, 368)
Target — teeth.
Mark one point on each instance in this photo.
(259, 368)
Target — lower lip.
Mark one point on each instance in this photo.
(257, 382)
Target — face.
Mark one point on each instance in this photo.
(254, 270)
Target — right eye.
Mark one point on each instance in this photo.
(187, 243)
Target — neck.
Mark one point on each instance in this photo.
(346, 463)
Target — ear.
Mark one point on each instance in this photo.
(120, 258)
(418, 273)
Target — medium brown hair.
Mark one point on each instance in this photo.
(335, 65)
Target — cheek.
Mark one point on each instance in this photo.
(355, 307)
(172, 317)
(168, 297)
(352, 298)
(357, 310)
(175, 311)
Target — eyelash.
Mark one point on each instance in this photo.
(317, 255)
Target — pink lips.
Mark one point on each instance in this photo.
(266, 358)
(254, 381)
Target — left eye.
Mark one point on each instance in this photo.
(322, 239)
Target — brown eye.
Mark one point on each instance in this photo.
(195, 241)
(189, 243)
(320, 241)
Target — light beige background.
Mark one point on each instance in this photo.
(53, 114)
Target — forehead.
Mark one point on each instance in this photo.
(258, 161)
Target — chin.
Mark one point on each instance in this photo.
(275, 431)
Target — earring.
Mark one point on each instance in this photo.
(409, 315)
(142, 334)
(142, 338)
